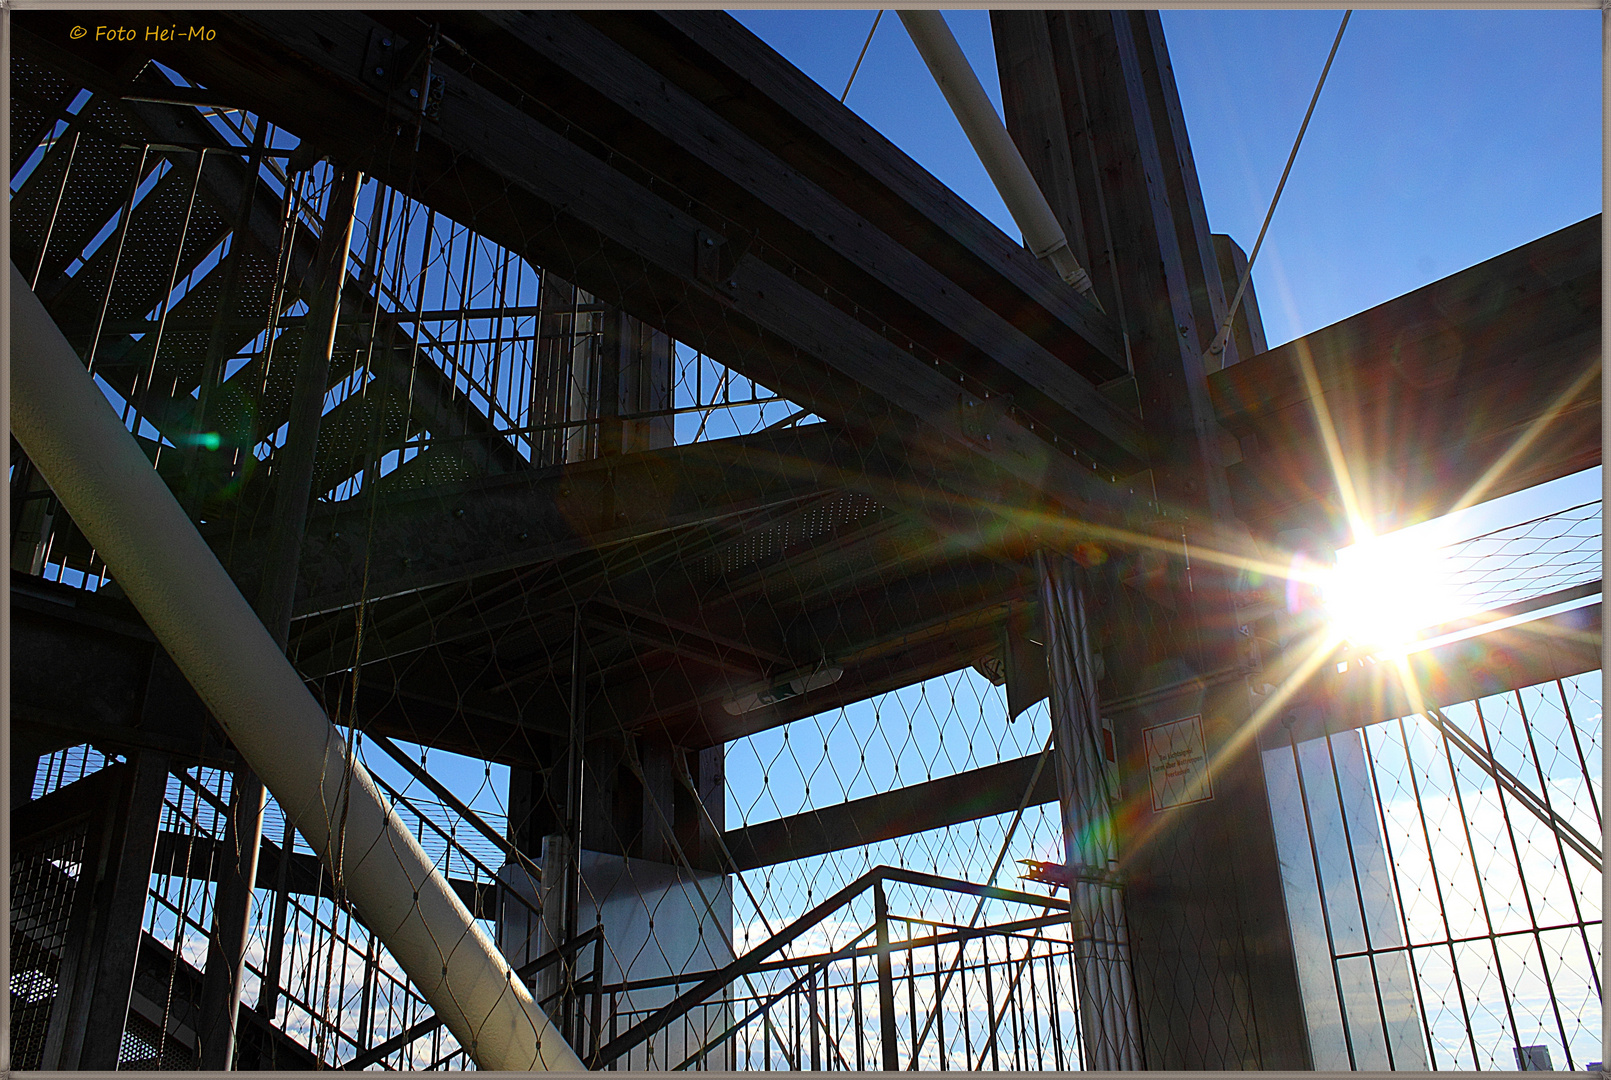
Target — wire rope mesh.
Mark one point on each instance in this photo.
(1448, 925)
(1534, 558)
(632, 641)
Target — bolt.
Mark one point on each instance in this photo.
(458, 513)
(523, 536)
(380, 71)
(413, 92)
(386, 43)
(1182, 329)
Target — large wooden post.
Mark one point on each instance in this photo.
(1091, 99)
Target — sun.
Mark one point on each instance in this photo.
(1383, 591)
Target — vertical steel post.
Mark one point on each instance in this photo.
(268, 995)
(886, 980)
(816, 1035)
(598, 1002)
(243, 837)
(111, 935)
(573, 826)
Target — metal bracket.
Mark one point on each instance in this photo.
(977, 420)
(713, 261)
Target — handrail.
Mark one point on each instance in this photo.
(750, 961)
(440, 790)
(951, 936)
(432, 1022)
(399, 799)
(832, 958)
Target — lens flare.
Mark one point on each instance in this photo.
(1384, 590)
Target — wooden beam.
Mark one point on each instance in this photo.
(691, 713)
(948, 800)
(462, 531)
(1555, 647)
(741, 79)
(678, 126)
(1427, 392)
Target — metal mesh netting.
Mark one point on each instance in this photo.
(656, 669)
(939, 728)
(44, 876)
(1449, 866)
(1547, 555)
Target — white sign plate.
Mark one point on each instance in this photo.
(1177, 763)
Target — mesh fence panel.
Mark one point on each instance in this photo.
(598, 598)
(1454, 883)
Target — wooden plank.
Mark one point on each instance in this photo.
(583, 216)
(566, 42)
(738, 76)
(934, 804)
(1554, 647)
(1426, 392)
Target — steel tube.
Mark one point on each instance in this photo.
(170, 574)
(1043, 234)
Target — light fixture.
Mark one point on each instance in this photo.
(788, 686)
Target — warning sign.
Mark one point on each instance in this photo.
(1177, 763)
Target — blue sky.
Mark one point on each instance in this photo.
(1442, 138)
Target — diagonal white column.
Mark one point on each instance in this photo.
(98, 472)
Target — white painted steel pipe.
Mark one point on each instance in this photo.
(97, 470)
(1043, 235)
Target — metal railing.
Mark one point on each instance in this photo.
(938, 995)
